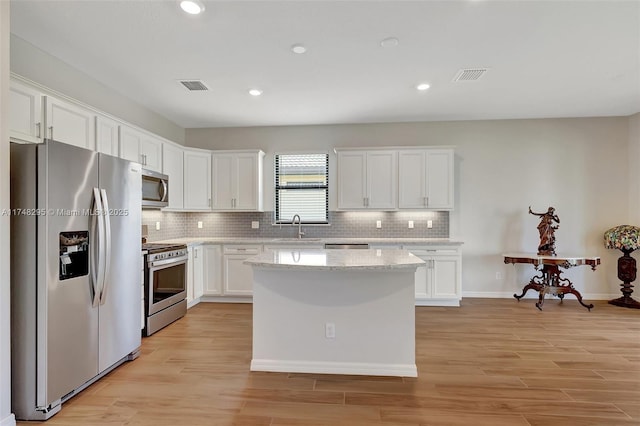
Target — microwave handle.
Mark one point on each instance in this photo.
(163, 194)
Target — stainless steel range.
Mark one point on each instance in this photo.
(165, 285)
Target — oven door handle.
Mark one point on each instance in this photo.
(177, 260)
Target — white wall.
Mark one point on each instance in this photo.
(6, 417)
(634, 170)
(579, 166)
(40, 67)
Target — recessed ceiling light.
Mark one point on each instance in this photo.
(192, 7)
(422, 87)
(298, 48)
(255, 92)
(389, 42)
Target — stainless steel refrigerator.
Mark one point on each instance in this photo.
(75, 271)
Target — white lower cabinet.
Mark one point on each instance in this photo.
(238, 277)
(212, 270)
(142, 295)
(439, 281)
(195, 274)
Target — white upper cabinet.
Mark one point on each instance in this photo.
(141, 147)
(237, 180)
(367, 179)
(107, 136)
(25, 114)
(426, 179)
(69, 123)
(197, 180)
(173, 166)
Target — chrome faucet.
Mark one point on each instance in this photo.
(293, 222)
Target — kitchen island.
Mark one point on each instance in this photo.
(334, 311)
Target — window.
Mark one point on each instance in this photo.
(302, 187)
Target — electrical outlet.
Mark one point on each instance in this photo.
(378, 224)
(199, 224)
(429, 224)
(330, 330)
(410, 224)
(255, 224)
(157, 226)
(498, 275)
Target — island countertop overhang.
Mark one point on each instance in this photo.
(336, 260)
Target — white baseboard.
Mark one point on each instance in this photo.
(226, 299)
(366, 369)
(534, 295)
(437, 302)
(8, 421)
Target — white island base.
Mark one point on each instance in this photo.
(370, 311)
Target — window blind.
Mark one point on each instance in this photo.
(302, 187)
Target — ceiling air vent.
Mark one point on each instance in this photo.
(193, 85)
(470, 74)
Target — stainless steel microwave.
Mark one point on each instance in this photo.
(155, 189)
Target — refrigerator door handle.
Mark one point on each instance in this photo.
(96, 247)
(107, 254)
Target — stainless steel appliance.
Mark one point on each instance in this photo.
(155, 189)
(165, 285)
(75, 265)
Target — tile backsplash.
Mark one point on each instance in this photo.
(342, 224)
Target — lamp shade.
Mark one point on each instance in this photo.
(623, 237)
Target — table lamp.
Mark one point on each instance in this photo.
(625, 238)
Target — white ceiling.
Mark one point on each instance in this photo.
(545, 58)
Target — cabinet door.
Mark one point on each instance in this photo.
(223, 182)
(246, 176)
(238, 278)
(212, 270)
(352, 177)
(130, 140)
(197, 180)
(423, 288)
(198, 272)
(107, 136)
(382, 180)
(439, 179)
(25, 113)
(69, 123)
(173, 166)
(445, 277)
(190, 263)
(412, 180)
(151, 152)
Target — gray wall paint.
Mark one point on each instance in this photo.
(40, 67)
(577, 165)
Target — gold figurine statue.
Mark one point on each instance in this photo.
(546, 228)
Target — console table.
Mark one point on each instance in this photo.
(549, 279)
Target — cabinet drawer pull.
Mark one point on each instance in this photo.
(38, 134)
(51, 132)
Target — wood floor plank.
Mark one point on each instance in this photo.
(544, 420)
(490, 362)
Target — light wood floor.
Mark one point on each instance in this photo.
(490, 362)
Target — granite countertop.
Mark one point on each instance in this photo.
(313, 241)
(335, 260)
